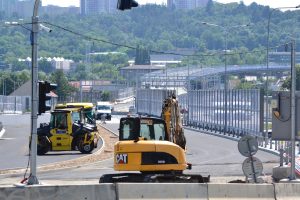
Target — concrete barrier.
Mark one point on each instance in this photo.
(66, 192)
(287, 191)
(174, 191)
(241, 191)
(162, 191)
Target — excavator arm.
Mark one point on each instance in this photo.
(171, 115)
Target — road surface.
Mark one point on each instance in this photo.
(14, 143)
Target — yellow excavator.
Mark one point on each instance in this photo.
(156, 147)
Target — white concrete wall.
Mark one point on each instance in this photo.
(241, 191)
(174, 191)
(70, 192)
(162, 191)
(287, 191)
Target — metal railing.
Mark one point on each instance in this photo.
(12, 104)
(204, 110)
(149, 101)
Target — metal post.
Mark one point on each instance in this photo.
(293, 107)
(189, 109)
(267, 84)
(3, 86)
(225, 84)
(80, 90)
(34, 100)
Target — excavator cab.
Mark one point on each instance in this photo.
(135, 128)
(143, 146)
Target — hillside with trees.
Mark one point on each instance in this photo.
(152, 27)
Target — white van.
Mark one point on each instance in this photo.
(104, 108)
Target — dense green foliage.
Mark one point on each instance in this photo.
(142, 56)
(63, 90)
(287, 83)
(154, 27)
(157, 28)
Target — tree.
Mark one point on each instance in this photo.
(63, 90)
(287, 83)
(209, 7)
(45, 66)
(142, 56)
(105, 96)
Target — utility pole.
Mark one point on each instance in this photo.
(293, 108)
(226, 84)
(32, 180)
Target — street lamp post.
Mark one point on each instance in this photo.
(225, 29)
(34, 100)
(293, 109)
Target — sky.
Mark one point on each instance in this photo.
(271, 3)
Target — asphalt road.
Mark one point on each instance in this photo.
(14, 143)
(210, 155)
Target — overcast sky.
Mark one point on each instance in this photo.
(271, 3)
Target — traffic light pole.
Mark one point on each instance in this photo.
(34, 100)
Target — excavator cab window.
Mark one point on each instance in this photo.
(159, 130)
(129, 128)
(146, 132)
(148, 128)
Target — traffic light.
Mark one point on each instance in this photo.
(126, 4)
(44, 96)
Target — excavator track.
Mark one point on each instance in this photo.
(153, 178)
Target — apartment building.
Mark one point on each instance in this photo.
(186, 4)
(91, 7)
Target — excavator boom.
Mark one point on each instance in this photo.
(171, 115)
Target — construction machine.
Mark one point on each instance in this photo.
(155, 147)
(88, 110)
(67, 131)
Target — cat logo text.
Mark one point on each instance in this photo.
(121, 158)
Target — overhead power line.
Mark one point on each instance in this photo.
(86, 37)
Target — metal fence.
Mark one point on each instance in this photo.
(149, 101)
(206, 108)
(13, 104)
(243, 114)
(205, 111)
